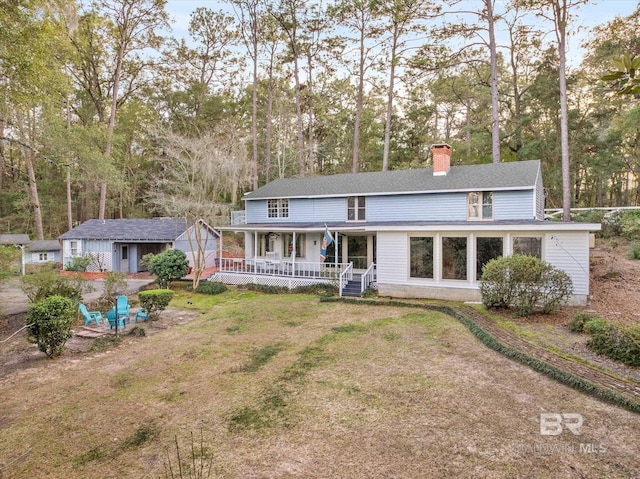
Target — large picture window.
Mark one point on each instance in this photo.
(454, 258)
(356, 209)
(480, 205)
(529, 245)
(486, 250)
(421, 257)
(278, 208)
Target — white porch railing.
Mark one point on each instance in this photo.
(345, 277)
(238, 218)
(369, 276)
(287, 268)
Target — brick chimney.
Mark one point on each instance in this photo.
(441, 158)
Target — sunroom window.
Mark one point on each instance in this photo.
(480, 205)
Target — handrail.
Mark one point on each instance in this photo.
(345, 277)
(281, 267)
(368, 277)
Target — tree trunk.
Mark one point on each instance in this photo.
(310, 158)
(560, 14)
(269, 127)
(296, 74)
(495, 113)
(355, 161)
(1, 160)
(112, 123)
(390, 95)
(33, 192)
(254, 108)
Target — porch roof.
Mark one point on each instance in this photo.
(310, 227)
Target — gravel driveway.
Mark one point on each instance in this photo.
(14, 301)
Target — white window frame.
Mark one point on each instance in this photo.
(74, 248)
(538, 237)
(278, 208)
(43, 257)
(357, 208)
(476, 202)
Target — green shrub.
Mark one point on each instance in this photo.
(49, 324)
(168, 266)
(79, 263)
(578, 321)
(634, 250)
(523, 282)
(210, 287)
(630, 224)
(617, 343)
(9, 261)
(267, 289)
(155, 300)
(325, 289)
(39, 286)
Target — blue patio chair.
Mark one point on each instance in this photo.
(142, 313)
(122, 304)
(89, 316)
(111, 317)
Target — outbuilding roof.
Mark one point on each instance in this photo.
(44, 245)
(14, 239)
(498, 176)
(155, 229)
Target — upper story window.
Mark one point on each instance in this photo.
(278, 208)
(356, 208)
(480, 205)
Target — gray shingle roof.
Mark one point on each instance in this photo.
(44, 245)
(521, 174)
(157, 229)
(9, 239)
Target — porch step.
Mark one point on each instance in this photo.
(352, 289)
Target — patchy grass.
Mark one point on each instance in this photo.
(285, 386)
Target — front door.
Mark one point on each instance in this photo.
(124, 258)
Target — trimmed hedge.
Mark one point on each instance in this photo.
(492, 342)
(155, 300)
(210, 287)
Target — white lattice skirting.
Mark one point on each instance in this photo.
(233, 278)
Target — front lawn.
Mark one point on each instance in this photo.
(286, 386)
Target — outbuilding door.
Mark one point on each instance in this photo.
(124, 258)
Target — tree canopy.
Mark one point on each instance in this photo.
(104, 113)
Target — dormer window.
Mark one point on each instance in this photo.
(480, 205)
(278, 208)
(356, 208)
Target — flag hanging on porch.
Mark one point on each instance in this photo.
(326, 241)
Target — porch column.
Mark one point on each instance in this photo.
(336, 246)
(293, 255)
(255, 244)
(369, 250)
(345, 252)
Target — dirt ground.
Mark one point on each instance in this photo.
(615, 282)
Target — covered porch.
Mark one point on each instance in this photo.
(289, 255)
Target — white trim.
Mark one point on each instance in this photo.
(397, 193)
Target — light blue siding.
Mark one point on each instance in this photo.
(570, 253)
(508, 205)
(426, 207)
(513, 205)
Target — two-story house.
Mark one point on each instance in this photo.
(423, 233)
